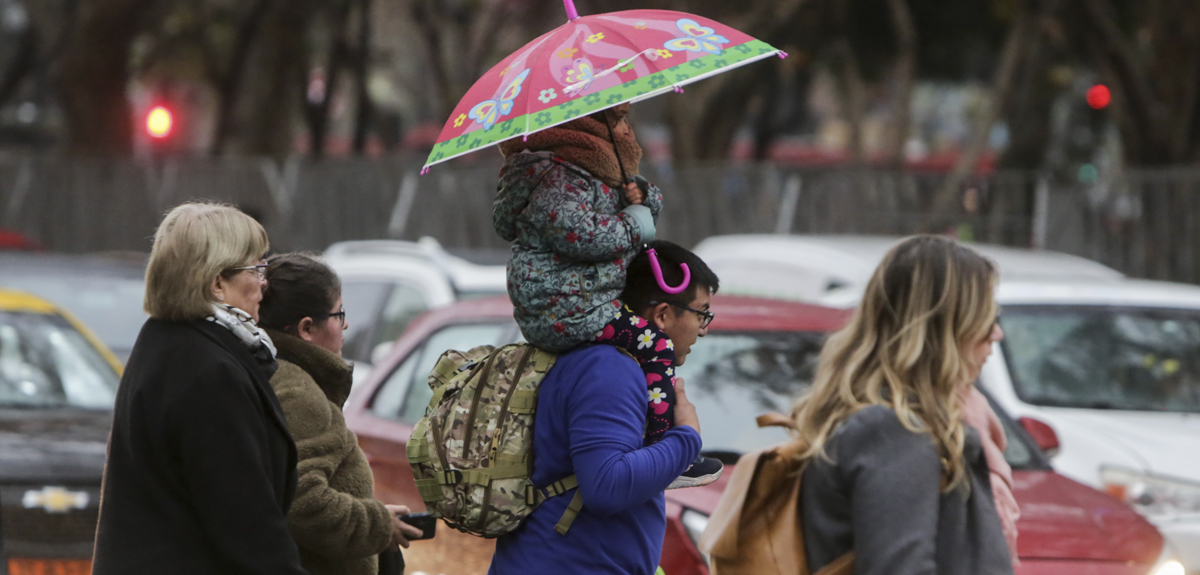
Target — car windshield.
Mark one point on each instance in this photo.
(1104, 358)
(45, 362)
(732, 378)
(110, 306)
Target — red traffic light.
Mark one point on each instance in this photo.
(159, 122)
(1098, 96)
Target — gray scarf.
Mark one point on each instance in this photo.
(243, 326)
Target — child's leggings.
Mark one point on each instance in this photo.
(656, 355)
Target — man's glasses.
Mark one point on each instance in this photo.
(706, 316)
(260, 269)
(341, 315)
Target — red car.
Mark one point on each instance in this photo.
(758, 355)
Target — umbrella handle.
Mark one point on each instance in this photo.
(658, 274)
(572, 13)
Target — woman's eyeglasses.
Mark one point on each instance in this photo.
(706, 316)
(340, 315)
(260, 269)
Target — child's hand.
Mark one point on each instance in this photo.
(685, 412)
(633, 193)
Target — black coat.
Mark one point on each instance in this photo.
(201, 468)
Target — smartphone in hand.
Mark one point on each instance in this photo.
(425, 522)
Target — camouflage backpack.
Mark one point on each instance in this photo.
(472, 453)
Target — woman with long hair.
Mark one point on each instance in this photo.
(894, 474)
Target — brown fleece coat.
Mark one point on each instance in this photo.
(338, 526)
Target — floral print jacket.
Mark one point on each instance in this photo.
(571, 247)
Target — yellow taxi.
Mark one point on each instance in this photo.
(58, 383)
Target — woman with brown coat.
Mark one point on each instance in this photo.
(339, 527)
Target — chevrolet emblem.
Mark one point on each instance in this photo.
(55, 499)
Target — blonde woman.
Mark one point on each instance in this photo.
(201, 468)
(895, 476)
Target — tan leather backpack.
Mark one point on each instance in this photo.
(756, 528)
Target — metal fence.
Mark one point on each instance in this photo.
(1146, 224)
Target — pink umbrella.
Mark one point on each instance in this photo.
(589, 64)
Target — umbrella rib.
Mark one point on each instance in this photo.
(577, 85)
(618, 32)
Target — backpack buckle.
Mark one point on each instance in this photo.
(452, 477)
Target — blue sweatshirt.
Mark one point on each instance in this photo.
(590, 418)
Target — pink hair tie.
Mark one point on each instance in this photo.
(658, 274)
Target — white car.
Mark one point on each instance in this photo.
(1111, 364)
(388, 283)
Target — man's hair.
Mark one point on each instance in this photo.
(641, 288)
(193, 244)
(298, 286)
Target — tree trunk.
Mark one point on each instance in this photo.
(22, 64)
(946, 200)
(266, 109)
(906, 71)
(850, 81)
(95, 74)
(229, 81)
(362, 108)
(317, 113)
(1028, 114)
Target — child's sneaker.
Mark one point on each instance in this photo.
(704, 470)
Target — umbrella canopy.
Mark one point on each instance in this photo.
(589, 64)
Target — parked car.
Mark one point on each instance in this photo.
(388, 283)
(1104, 369)
(758, 355)
(57, 387)
(104, 291)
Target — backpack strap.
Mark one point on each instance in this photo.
(535, 496)
(568, 516)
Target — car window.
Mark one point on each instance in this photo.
(1104, 358)
(110, 306)
(404, 304)
(362, 300)
(406, 393)
(46, 362)
(732, 378)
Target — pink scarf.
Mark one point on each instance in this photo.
(978, 414)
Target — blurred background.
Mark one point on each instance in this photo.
(1062, 124)
(1028, 127)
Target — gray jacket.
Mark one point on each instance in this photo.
(880, 497)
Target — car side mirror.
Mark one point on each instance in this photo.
(1042, 434)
